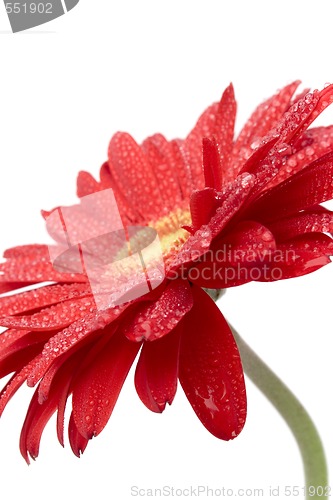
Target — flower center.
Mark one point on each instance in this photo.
(170, 232)
(160, 239)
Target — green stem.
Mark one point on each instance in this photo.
(295, 415)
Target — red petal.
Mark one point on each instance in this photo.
(54, 317)
(128, 213)
(84, 350)
(21, 350)
(231, 200)
(27, 251)
(269, 168)
(132, 170)
(165, 165)
(204, 127)
(310, 186)
(32, 270)
(197, 245)
(30, 264)
(157, 371)
(39, 414)
(16, 361)
(210, 369)
(97, 388)
(300, 95)
(203, 205)
(212, 163)
(9, 287)
(225, 124)
(255, 161)
(8, 337)
(305, 222)
(230, 262)
(66, 339)
(41, 297)
(218, 120)
(313, 144)
(82, 357)
(260, 123)
(86, 184)
(77, 441)
(185, 179)
(15, 383)
(297, 257)
(300, 116)
(34, 424)
(88, 228)
(170, 163)
(249, 241)
(159, 318)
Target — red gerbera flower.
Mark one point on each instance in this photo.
(226, 212)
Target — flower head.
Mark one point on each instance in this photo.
(205, 212)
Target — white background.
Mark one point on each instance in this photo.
(146, 66)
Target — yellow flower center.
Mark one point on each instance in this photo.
(171, 236)
(170, 232)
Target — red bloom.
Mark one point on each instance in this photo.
(251, 213)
